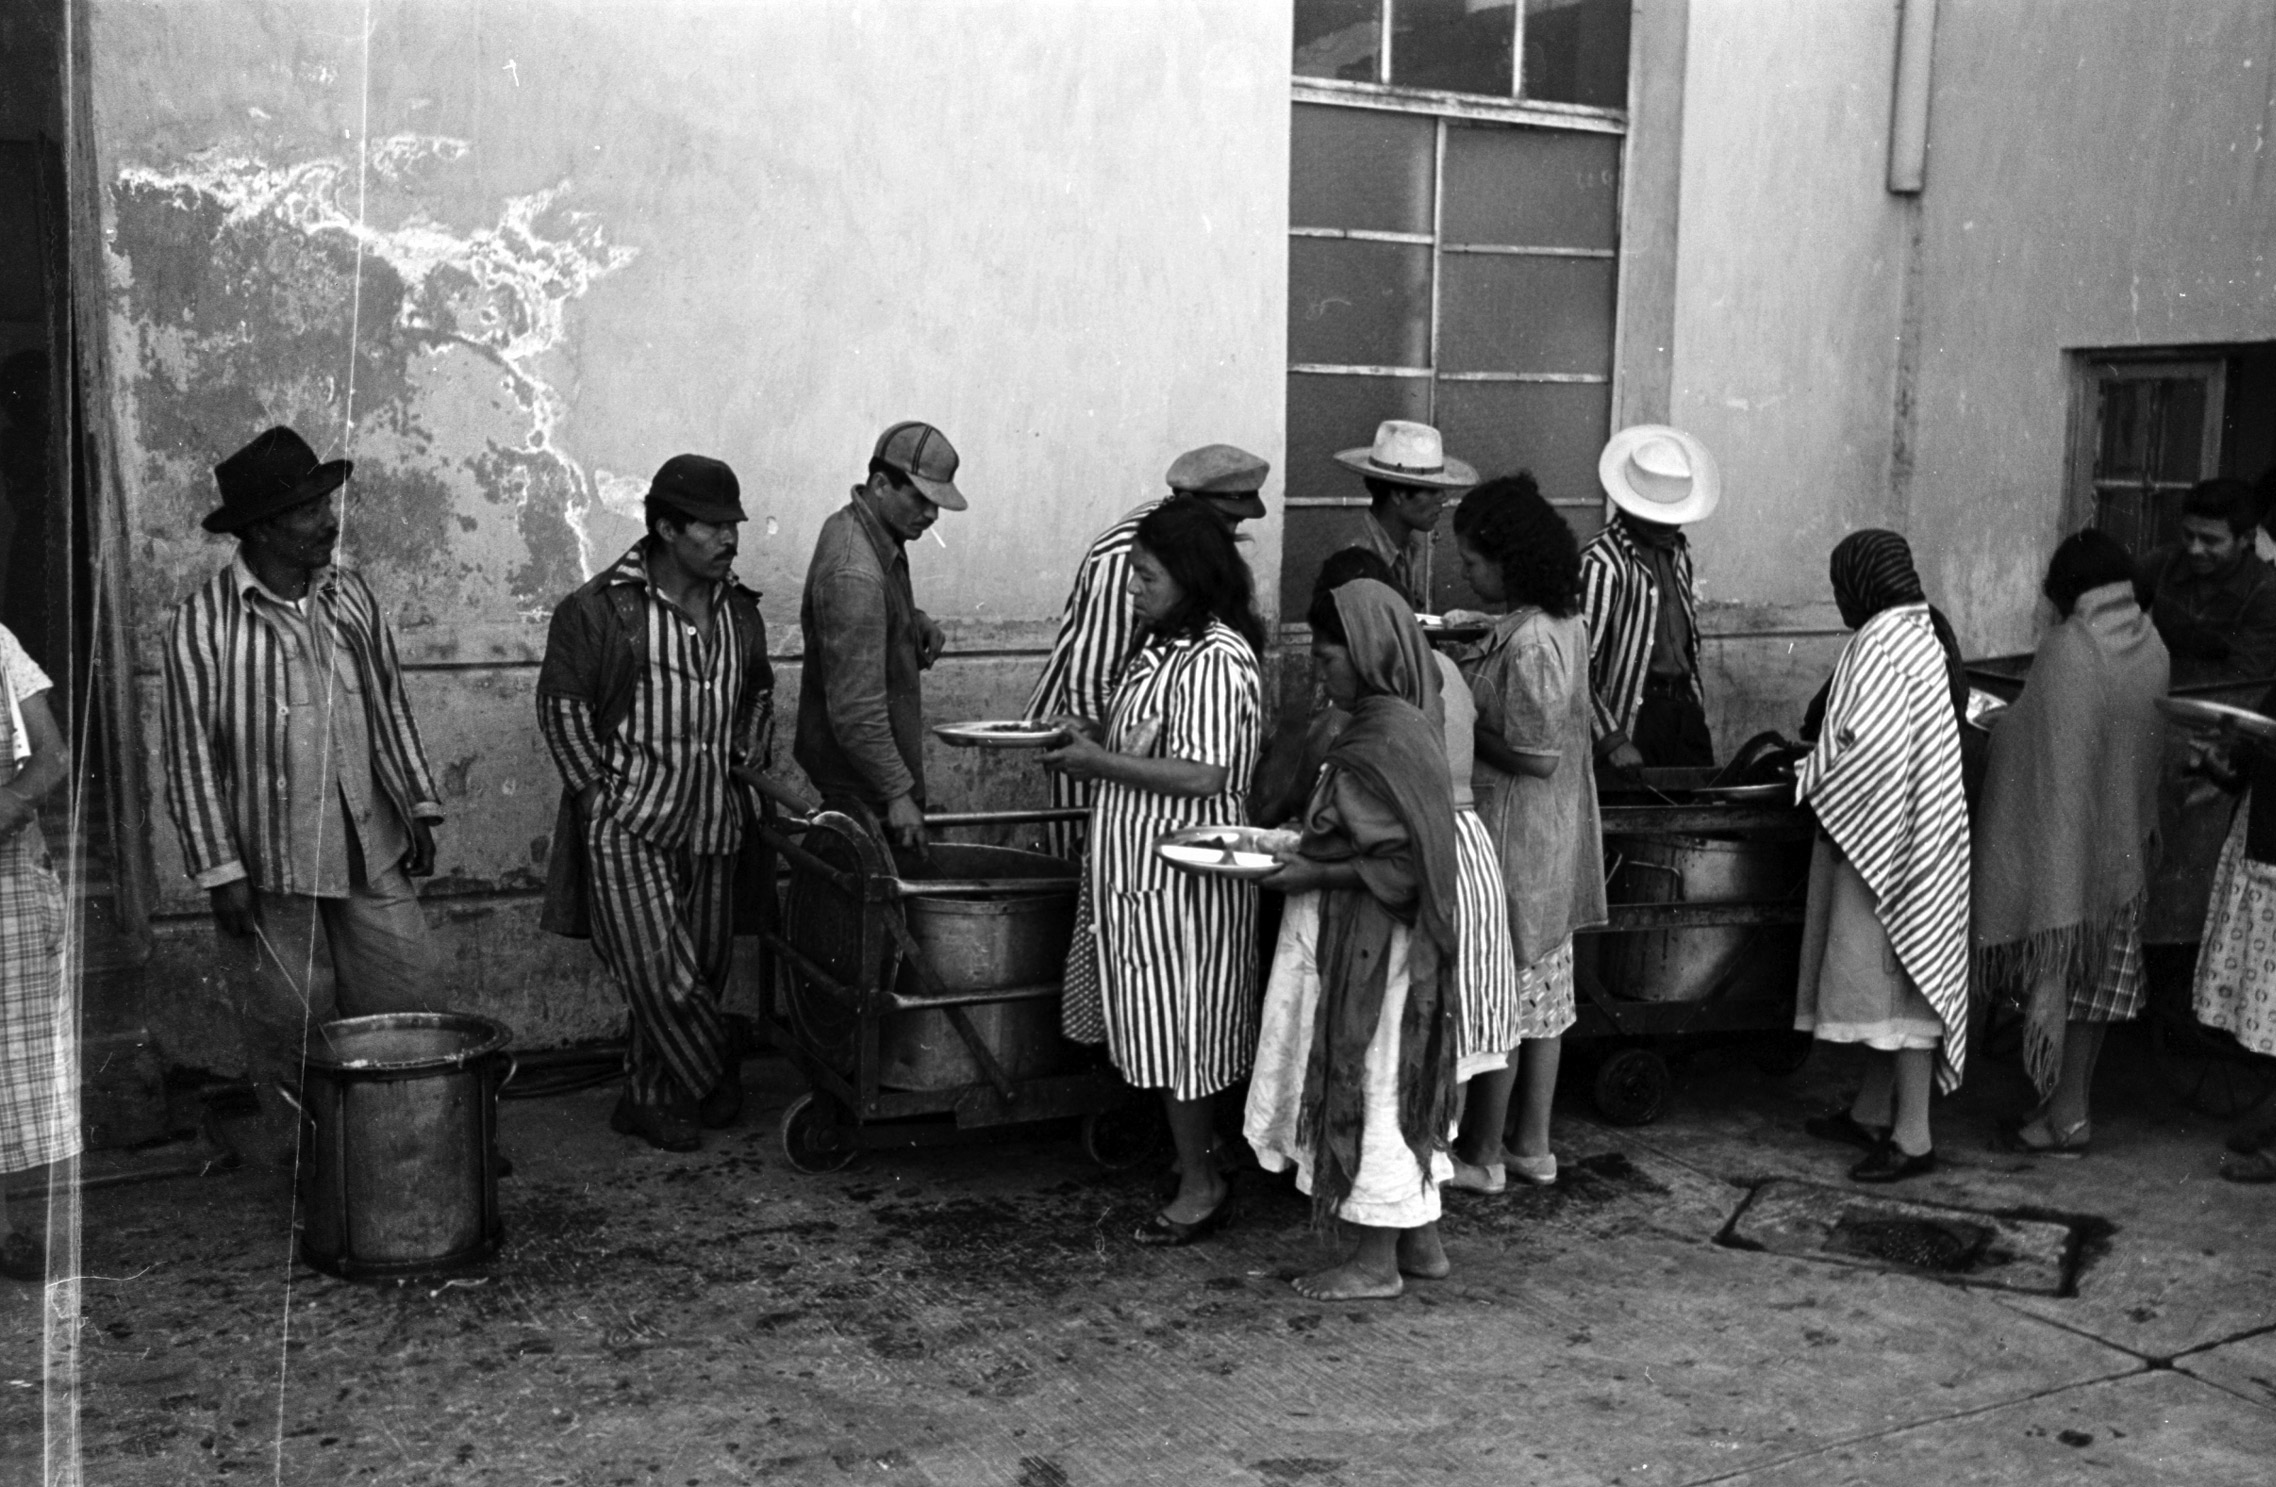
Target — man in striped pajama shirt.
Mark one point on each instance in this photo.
(1643, 620)
(1100, 623)
(295, 775)
(655, 687)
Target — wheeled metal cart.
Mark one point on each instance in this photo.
(1737, 986)
(921, 1000)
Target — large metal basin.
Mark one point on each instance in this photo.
(1684, 965)
(1013, 938)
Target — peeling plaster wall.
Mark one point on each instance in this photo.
(537, 246)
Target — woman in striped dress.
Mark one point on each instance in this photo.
(1163, 966)
(1536, 785)
(1885, 942)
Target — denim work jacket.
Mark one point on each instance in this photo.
(860, 699)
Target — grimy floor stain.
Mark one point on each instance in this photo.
(978, 1314)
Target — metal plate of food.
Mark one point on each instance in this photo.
(1437, 631)
(1012, 733)
(2196, 712)
(1225, 851)
(1983, 707)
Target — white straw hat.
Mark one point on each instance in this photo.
(1409, 454)
(1660, 474)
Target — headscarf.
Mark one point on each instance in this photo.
(2069, 810)
(1873, 571)
(1396, 752)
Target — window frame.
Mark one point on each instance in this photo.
(1411, 99)
(2090, 368)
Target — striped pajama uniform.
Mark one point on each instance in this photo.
(1487, 984)
(1096, 633)
(661, 839)
(1621, 601)
(1163, 965)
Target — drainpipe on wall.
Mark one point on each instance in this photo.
(1908, 173)
(1908, 114)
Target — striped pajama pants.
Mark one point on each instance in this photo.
(664, 925)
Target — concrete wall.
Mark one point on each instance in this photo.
(2131, 203)
(2097, 177)
(511, 256)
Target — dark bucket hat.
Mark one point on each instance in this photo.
(274, 473)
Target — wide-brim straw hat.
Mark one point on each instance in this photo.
(1660, 474)
(1407, 453)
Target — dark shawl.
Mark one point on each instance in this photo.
(2062, 845)
(1873, 571)
(1395, 754)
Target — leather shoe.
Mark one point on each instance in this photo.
(1887, 1164)
(719, 1108)
(1840, 1125)
(665, 1127)
(1163, 1232)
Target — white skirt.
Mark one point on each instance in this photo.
(1389, 1191)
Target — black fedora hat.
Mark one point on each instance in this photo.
(274, 473)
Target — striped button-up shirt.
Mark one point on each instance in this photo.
(240, 792)
(664, 772)
(1097, 632)
(1621, 600)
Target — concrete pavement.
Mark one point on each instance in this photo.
(976, 1315)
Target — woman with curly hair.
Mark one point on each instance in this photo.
(1536, 793)
(1163, 966)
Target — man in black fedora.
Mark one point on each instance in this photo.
(295, 775)
(656, 689)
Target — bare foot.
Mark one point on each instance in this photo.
(1195, 1202)
(1349, 1281)
(1422, 1256)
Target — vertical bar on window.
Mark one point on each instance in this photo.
(1437, 252)
(1517, 50)
(1383, 46)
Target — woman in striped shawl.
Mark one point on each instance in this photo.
(1885, 947)
(1354, 1078)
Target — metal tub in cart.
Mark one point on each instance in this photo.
(920, 997)
(1707, 893)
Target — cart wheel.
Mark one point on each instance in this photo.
(1632, 1086)
(1782, 1054)
(1122, 1138)
(815, 1135)
(2210, 1071)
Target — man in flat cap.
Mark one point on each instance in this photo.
(295, 775)
(1100, 623)
(860, 693)
(656, 688)
(1409, 478)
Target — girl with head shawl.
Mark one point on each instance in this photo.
(1353, 1084)
(1885, 943)
(1163, 964)
(1536, 804)
(2063, 844)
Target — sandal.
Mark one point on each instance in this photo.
(2067, 1141)
(1478, 1177)
(22, 1257)
(1163, 1232)
(2254, 1167)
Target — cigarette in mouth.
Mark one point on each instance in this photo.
(943, 541)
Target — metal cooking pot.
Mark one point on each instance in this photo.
(1684, 965)
(399, 1160)
(1013, 937)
